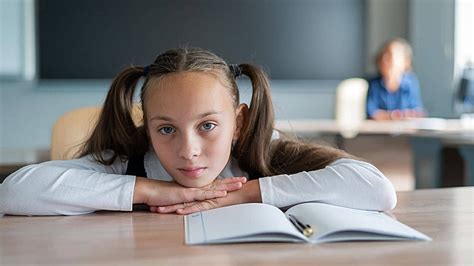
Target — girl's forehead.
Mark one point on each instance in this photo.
(188, 83)
(186, 91)
(395, 48)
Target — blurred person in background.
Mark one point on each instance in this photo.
(395, 92)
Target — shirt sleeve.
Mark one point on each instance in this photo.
(415, 101)
(345, 182)
(68, 187)
(372, 102)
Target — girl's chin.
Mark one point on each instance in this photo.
(192, 182)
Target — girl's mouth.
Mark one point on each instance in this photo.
(193, 172)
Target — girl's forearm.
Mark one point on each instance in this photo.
(251, 191)
(345, 182)
(139, 193)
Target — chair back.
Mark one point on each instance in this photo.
(351, 100)
(73, 128)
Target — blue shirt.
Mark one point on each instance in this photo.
(405, 98)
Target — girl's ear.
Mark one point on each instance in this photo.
(240, 114)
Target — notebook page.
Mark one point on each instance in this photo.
(238, 223)
(334, 223)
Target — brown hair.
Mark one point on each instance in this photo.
(407, 50)
(255, 151)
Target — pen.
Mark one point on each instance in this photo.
(305, 229)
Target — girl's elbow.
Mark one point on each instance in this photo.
(7, 199)
(387, 197)
(16, 199)
(383, 193)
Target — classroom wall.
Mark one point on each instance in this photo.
(432, 38)
(381, 15)
(29, 109)
(10, 37)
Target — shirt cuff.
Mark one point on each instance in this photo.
(126, 196)
(266, 190)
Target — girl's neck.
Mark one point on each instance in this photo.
(392, 82)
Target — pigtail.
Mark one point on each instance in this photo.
(252, 148)
(255, 150)
(115, 129)
(290, 155)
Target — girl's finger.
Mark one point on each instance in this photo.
(199, 206)
(203, 194)
(170, 208)
(241, 179)
(199, 194)
(229, 186)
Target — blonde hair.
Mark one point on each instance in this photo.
(407, 52)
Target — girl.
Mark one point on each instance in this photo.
(196, 150)
(395, 93)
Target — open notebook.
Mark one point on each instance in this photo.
(257, 222)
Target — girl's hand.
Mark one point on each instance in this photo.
(161, 193)
(382, 115)
(250, 192)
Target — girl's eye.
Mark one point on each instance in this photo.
(208, 126)
(166, 130)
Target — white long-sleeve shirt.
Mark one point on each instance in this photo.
(81, 186)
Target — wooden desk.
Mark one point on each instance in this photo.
(428, 158)
(139, 238)
(371, 127)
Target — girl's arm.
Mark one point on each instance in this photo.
(69, 187)
(83, 186)
(345, 182)
(415, 101)
(373, 104)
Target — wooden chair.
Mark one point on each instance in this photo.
(73, 128)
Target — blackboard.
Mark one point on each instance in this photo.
(291, 39)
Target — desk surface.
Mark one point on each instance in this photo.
(447, 215)
(421, 126)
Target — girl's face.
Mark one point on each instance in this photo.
(394, 61)
(192, 123)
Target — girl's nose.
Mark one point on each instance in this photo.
(190, 148)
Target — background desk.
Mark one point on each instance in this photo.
(391, 127)
(433, 159)
(429, 165)
(13, 159)
(140, 238)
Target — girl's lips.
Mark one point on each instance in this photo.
(192, 172)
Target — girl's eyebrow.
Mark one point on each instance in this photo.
(166, 118)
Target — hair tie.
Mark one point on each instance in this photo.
(146, 70)
(235, 70)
